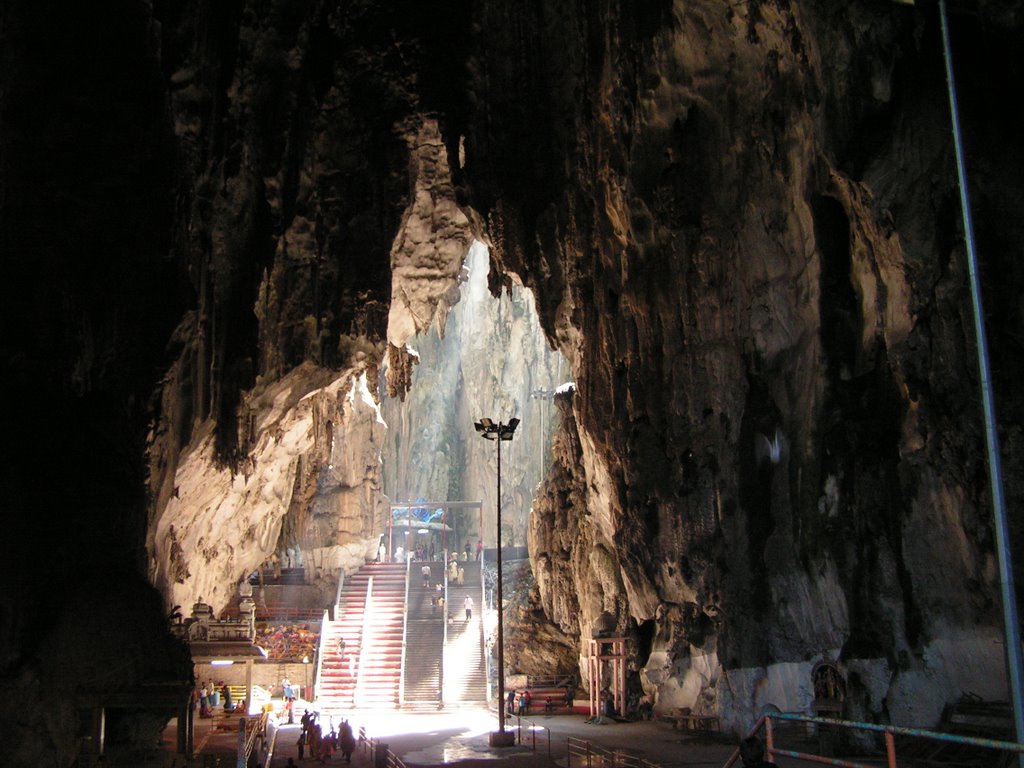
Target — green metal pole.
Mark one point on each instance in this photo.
(1010, 620)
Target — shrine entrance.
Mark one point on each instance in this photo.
(607, 654)
(426, 524)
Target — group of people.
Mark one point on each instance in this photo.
(321, 746)
(207, 696)
(418, 554)
(456, 573)
(421, 552)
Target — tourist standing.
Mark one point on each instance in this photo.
(347, 741)
(468, 605)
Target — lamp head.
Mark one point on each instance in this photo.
(491, 431)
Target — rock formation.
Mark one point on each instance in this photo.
(739, 222)
(747, 238)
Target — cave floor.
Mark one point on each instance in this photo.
(461, 736)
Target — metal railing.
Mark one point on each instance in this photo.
(405, 634)
(531, 728)
(319, 656)
(551, 681)
(255, 729)
(282, 612)
(271, 743)
(372, 747)
(889, 732)
(484, 608)
(582, 753)
(444, 624)
(363, 644)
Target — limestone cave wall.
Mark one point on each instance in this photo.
(740, 225)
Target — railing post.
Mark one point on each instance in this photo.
(769, 738)
(890, 749)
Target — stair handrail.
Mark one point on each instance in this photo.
(357, 691)
(405, 634)
(483, 637)
(320, 652)
(337, 594)
(444, 627)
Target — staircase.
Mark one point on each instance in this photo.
(368, 675)
(465, 678)
(424, 640)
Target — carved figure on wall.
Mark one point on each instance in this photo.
(828, 682)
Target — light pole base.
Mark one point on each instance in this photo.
(502, 738)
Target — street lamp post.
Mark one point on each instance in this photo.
(499, 432)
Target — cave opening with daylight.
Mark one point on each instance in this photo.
(490, 360)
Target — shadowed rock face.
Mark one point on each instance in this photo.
(740, 224)
(745, 238)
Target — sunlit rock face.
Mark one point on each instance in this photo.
(740, 223)
(315, 458)
(315, 193)
(491, 362)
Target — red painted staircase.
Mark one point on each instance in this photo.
(371, 620)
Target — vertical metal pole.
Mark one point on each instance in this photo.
(248, 687)
(501, 622)
(1010, 621)
(890, 749)
(102, 731)
(769, 737)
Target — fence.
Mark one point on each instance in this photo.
(380, 755)
(888, 732)
(531, 728)
(583, 754)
